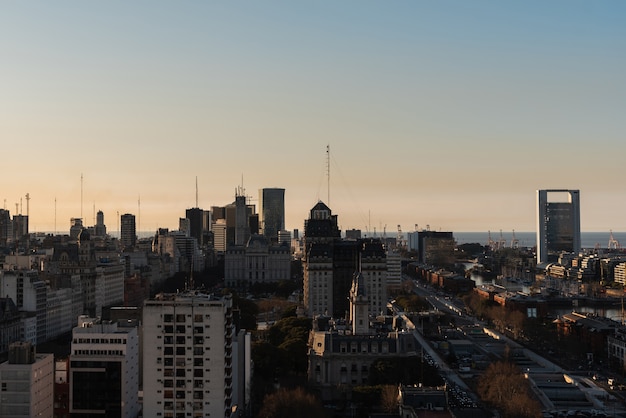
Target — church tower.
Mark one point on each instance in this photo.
(359, 306)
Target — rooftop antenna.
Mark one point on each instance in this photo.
(21, 207)
(81, 195)
(328, 171)
(55, 216)
(138, 214)
(197, 190)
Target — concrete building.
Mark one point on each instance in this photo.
(188, 356)
(26, 383)
(272, 212)
(342, 355)
(259, 261)
(100, 229)
(6, 228)
(558, 224)
(128, 232)
(435, 247)
(104, 369)
(197, 224)
(10, 323)
(330, 263)
(29, 293)
(394, 271)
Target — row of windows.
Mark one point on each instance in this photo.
(375, 348)
(99, 341)
(180, 362)
(183, 317)
(182, 372)
(180, 351)
(99, 352)
(180, 339)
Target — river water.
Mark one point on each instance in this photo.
(529, 239)
(614, 313)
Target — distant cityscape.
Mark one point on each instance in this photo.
(217, 317)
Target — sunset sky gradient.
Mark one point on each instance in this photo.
(442, 113)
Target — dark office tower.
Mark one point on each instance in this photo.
(558, 224)
(100, 229)
(435, 248)
(20, 228)
(272, 212)
(6, 227)
(196, 224)
(128, 232)
(321, 227)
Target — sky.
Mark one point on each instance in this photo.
(440, 114)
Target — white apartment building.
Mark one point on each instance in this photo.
(620, 273)
(104, 369)
(109, 286)
(27, 383)
(188, 356)
(394, 270)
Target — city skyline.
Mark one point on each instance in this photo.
(447, 114)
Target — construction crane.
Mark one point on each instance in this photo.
(613, 243)
(490, 242)
(514, 241)
(501, 241)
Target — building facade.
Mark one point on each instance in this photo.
(104, 370)
(272, 212)
(188, 356)
(558, 224)
(330, 264)
(27, 383)
(259, 261)
(128, 231)
(342, 355)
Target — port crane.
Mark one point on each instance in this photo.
(514, 241)
(613, 243)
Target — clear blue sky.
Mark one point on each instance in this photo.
(442, 113)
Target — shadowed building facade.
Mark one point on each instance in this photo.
(558, 224)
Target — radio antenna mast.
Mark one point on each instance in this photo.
(81, 195)
(138, 214)
(196, 191)
(328, 171)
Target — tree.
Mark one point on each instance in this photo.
(286, 403)
(505, 388)
(389, 398)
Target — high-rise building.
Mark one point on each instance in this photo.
(558, 223)
(100, 228)
(20, 229)
(128, 233)
(435, 247)
(188, 356)
(272, 212)
(330, 264)
(104, 369)
(6, 227)
(197, 224)
(26, 383)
